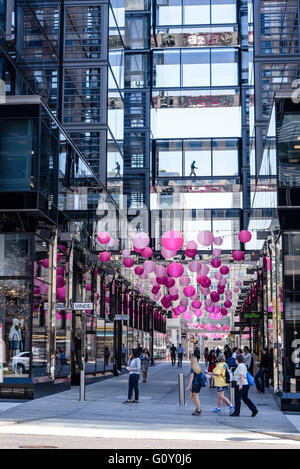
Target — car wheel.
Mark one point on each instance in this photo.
(21, 369)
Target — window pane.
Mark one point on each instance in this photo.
(166, 69)
(171, 14)
(225, 158)
(195, 68)
(196, 12)
(224, 68)
(223, 11)
(197, 157)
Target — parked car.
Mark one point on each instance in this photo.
(20, 363)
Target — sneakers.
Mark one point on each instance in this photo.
(255, 412)
(231, 409)
(127, 402)
(216, 410)
(197, 412)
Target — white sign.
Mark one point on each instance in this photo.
(59, 306)
(1, 355)
(82, 306)
(120, 317)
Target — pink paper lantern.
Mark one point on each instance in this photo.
(238, 255)
(170, 282)
(174, 290)
(62, 247)
(224, 270)
(147, 252)
(189, 291)
(184, 280)
(61, 293)
(191, 245)
(181, 309)
(196, 304)
(223, 311)
(184, 302)
(172, 240)
(238, 283)
(245, 236)
(128, 262)
(187, 315)
(125, 253)
(167, 254)
(60, 271)
(236, 290)
(138, 270)
(204, 270)
(215, 262)
(103, 237)
(36, 291)
(149, 266)
(216, 252)
(194, 266)
(60, 281)
(218, 276)
(215, 297)
(162, 280)
(190, 252)
(45, 263)
(198, 313)
(140, 240)
(227, 304)
(160, 271)
(218, 241)
(175, 269)
(205, 238)
(104, 256)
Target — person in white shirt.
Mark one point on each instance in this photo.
(242, 388)
(134, 368)
(247, 357)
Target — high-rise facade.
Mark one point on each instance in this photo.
(148, 116)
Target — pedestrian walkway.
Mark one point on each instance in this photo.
(157, 415)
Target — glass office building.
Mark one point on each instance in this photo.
(162, 114)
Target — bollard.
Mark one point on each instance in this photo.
(181, 386)
(82, 385)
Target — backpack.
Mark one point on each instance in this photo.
(231, 362)
(202, 379)
(250, 379)
(227, 374)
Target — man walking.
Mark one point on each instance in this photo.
(173, 354)
(193, 167)
(262, 376)
(180, 352)
(117, 168)
(124, 355)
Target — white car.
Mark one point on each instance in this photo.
(20, 363)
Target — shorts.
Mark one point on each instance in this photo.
(196, 388)
(222, 388)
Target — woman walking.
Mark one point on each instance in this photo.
(206, 354)
(242, 388)
(194, 383)
(212, 362)
(145, 360)
(221, 384)
(134, 366)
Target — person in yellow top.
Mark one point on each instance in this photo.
(221, 384)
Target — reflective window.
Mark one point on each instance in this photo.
(225, 157)
(197, 157)
(195, 68)
(196, 12)
(169, 14)
(166, 66)
(169, 158)
(223, 11)
(224, 68)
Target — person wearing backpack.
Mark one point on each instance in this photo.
(195, 384)
(242, 388)
(222, 380)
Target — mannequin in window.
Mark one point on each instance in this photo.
(117, 168)
(193, 167)
(15, 337)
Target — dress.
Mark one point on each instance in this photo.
(212, 364)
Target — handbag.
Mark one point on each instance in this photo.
(250, 379)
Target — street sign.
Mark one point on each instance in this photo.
(59, 306)
(82, 306)
(122, 317)
(1, 355)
